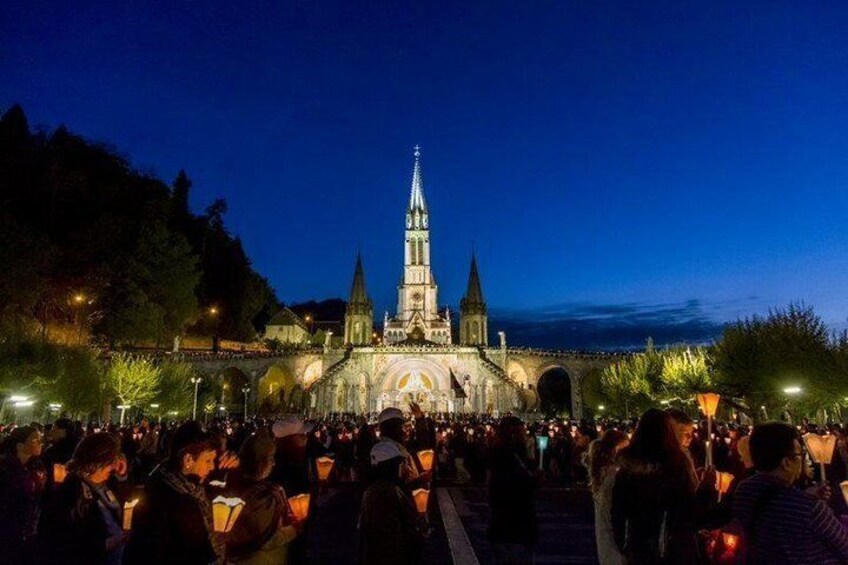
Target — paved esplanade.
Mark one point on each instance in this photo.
(458, 518)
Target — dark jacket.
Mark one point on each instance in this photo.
(260, 535)
(73, 527)
(511, 499)
(389, 526)
(168, 527)
(653, 513)
(21, 487)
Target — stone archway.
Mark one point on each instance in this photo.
(554, 388)
(416, 380)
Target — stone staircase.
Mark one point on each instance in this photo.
(332, 369)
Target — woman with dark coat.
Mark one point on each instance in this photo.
(83, 521)
(653, 502)
(263, 531)
(22, 480)
(173, 522)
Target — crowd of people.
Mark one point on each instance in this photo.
(151, 492)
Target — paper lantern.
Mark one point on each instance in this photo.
(542, 442)
(820, 447)
(421, 496)
(225, 512)
(426, 458)
(708, 401)
(844, 486)
(128, 513)
(325, 466)
(59, 473)
(722, 484)
(299, 505)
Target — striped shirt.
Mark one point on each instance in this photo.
(790, 526)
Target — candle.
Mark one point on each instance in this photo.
(722, 484)
(426, 458)
(128, 513)
(225, 512)
(421, 497)
(59, 473)
(324, 465)
(299, 505)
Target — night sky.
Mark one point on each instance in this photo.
(621, 168)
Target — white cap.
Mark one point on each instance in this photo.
(389, 414)
(290, 426)
(384, 451)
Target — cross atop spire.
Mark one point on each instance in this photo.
(474, 293)
(357, 291)
(416, 196)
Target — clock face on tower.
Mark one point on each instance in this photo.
(417, 296)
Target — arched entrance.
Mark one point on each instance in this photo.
(554, 390)
(423, 382)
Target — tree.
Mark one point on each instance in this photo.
(176, 392)
(627, 385)
(133, 381)
(757, 358)
(685, 372)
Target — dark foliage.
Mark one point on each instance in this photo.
(77, 220)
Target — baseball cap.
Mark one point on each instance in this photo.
(384, 451)
(291, 426)
(389, 414)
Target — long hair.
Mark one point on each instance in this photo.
(654, 442)
(601, 454)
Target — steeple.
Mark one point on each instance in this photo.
(474, 322)
(474, 293)
(359, 314)
(416, 194)
(357, 290)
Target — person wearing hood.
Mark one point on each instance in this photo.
(653, 502)
(173, 522)
(390, 529)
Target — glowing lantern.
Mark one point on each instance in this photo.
(421, 496)
(844, 486)
(225, 512)
(59, 473)
(722, 483)
(299, 506)
(325, 466)
(821, 449)
(708, 401)
(731, 542)
(426, 459)
(128, 512)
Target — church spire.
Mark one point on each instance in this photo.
(474, 293)
(357, 290)
(416, 194)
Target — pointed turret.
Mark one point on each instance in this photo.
(416, 194)
(357, 290)
(474, 293)
(473, 325)
(359, 314)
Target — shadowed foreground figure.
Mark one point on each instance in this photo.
(389, 523)
(513, 527)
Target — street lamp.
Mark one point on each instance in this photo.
(123, 408)
(245, 390)
(213, 313)
(792, 390)
(196, 382)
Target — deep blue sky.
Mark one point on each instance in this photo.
(612, 160)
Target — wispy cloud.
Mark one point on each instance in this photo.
(584, 325)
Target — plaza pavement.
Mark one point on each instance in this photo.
(459, 515)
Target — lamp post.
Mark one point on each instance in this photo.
(123, 408)
(245, 390)
(213, 313)
(791, 391)
(78, 301)
(196, 382)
